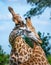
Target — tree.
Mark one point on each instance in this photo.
(38, 6)
(45, 42)
(49, 59)
(3, 57)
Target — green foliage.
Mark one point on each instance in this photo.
(45, 42)
(49, 59)
(3, 57)
(38, 6)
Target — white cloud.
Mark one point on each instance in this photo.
(12, 0)
(5, 16)
(6, 26)
(2, 28)
(40, 22)
(22, 2)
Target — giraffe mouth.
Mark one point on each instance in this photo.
(39, 40)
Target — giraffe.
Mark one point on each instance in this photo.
(39, 56)
(22, 53)
(18, 44)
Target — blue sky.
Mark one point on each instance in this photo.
(41, 23)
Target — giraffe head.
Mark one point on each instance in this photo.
(15, 17)
(29, 25)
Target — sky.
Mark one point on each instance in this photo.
(41, 22)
